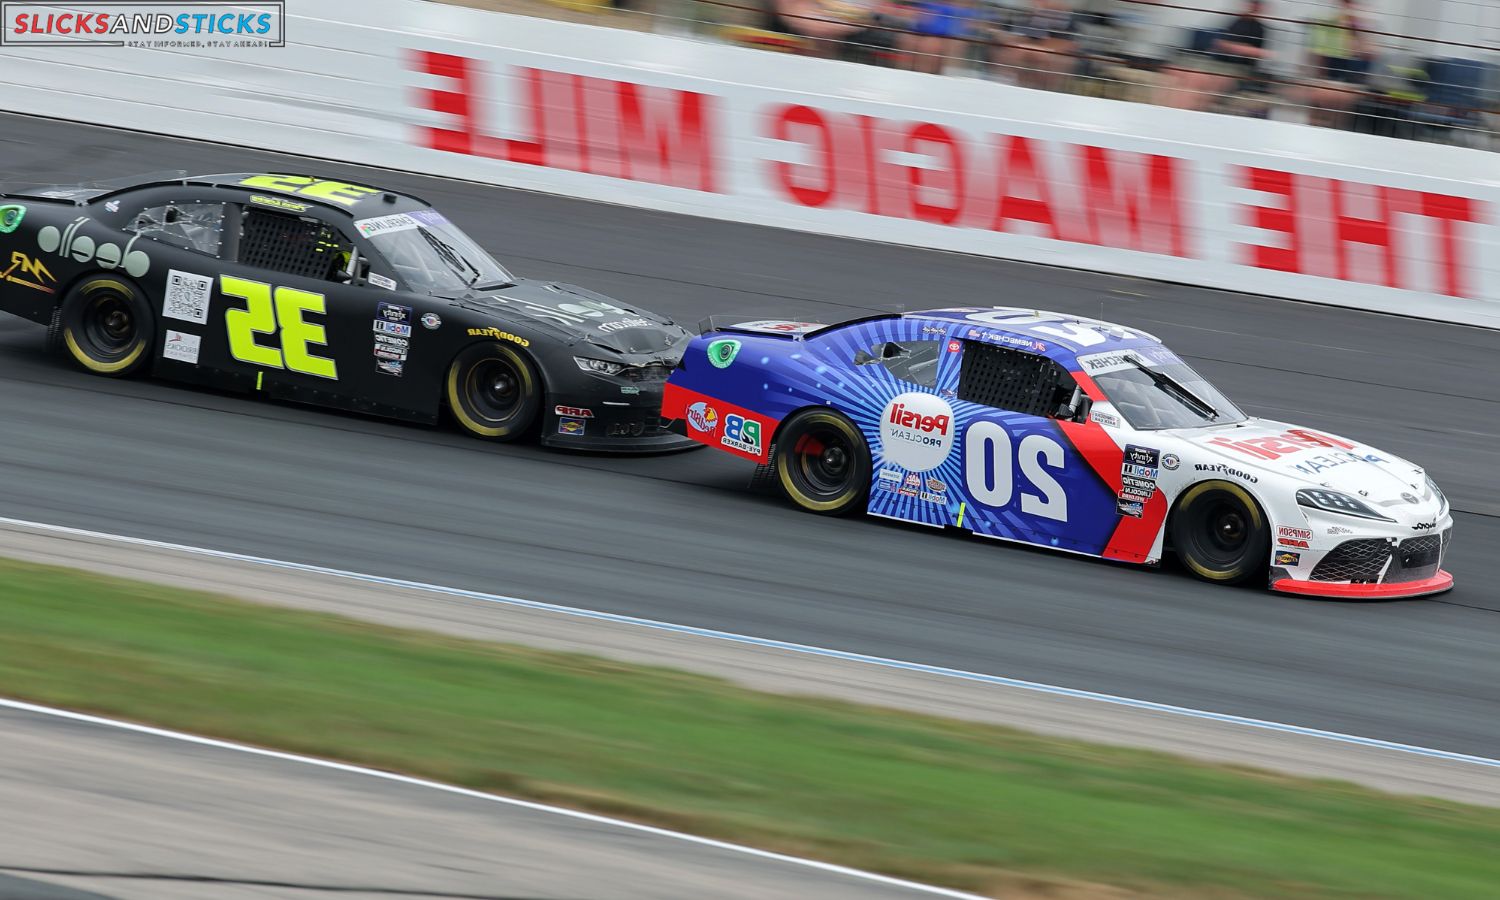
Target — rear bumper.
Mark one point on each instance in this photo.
(1436, 584)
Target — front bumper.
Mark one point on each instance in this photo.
(1436, 584)
(610, 428)
(1369, 567)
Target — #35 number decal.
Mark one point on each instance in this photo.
(988, 457)
(268, 311)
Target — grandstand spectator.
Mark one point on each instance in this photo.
(1229, 65)
(834, 27)
(1340, 55)
(1039, 46)
(938, 31)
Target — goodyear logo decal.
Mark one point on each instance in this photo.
(499, 335)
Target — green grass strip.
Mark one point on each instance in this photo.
(960, 804)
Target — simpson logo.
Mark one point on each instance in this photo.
(1287, 531)
(702, 417)
(916, 431)
(120, 23)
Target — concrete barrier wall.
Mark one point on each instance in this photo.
(952, 163)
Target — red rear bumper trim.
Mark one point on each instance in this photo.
(1438, 583)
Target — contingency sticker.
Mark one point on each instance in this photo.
(385, 224)
(1138, 472)
(181, 347)
(392, 337)
(187, 297)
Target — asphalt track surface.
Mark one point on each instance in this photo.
(679, 538)
(93, 811)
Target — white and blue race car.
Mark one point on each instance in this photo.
(1064, 432)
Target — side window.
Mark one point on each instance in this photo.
(191, 226)
(294, 245)
(1017, 381)
(914, 361)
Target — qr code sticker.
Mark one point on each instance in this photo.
(187, 297)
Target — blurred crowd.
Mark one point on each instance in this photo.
(1336, 69)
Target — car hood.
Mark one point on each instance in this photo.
(1312, 457)
(578, 314)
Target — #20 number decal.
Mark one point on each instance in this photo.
(988, 458)
(268, 311)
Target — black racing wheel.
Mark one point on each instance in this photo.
(494, 391)
(822, 462)
(1220, 533)
(105, 326)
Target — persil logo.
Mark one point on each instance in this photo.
(908, 418)
(916, 431)
(119, 23)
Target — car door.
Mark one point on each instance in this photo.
(1023, 478)
(292, 324)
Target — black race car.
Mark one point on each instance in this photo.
(331, 293)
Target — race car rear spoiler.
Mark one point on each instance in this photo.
(781, 328)
(84, 191)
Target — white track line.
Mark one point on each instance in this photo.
(480, 795)
(845, 655)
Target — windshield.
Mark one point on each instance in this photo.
(431, 254)
(1153, 389)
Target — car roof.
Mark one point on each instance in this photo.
(348, 197)
(362, 201)
(1044, 330)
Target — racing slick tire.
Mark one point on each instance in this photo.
(105, 326)
(822, 462)
(1220, 533)
(494, 391)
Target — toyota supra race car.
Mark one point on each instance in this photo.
(1063, 432)
(334, 294)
